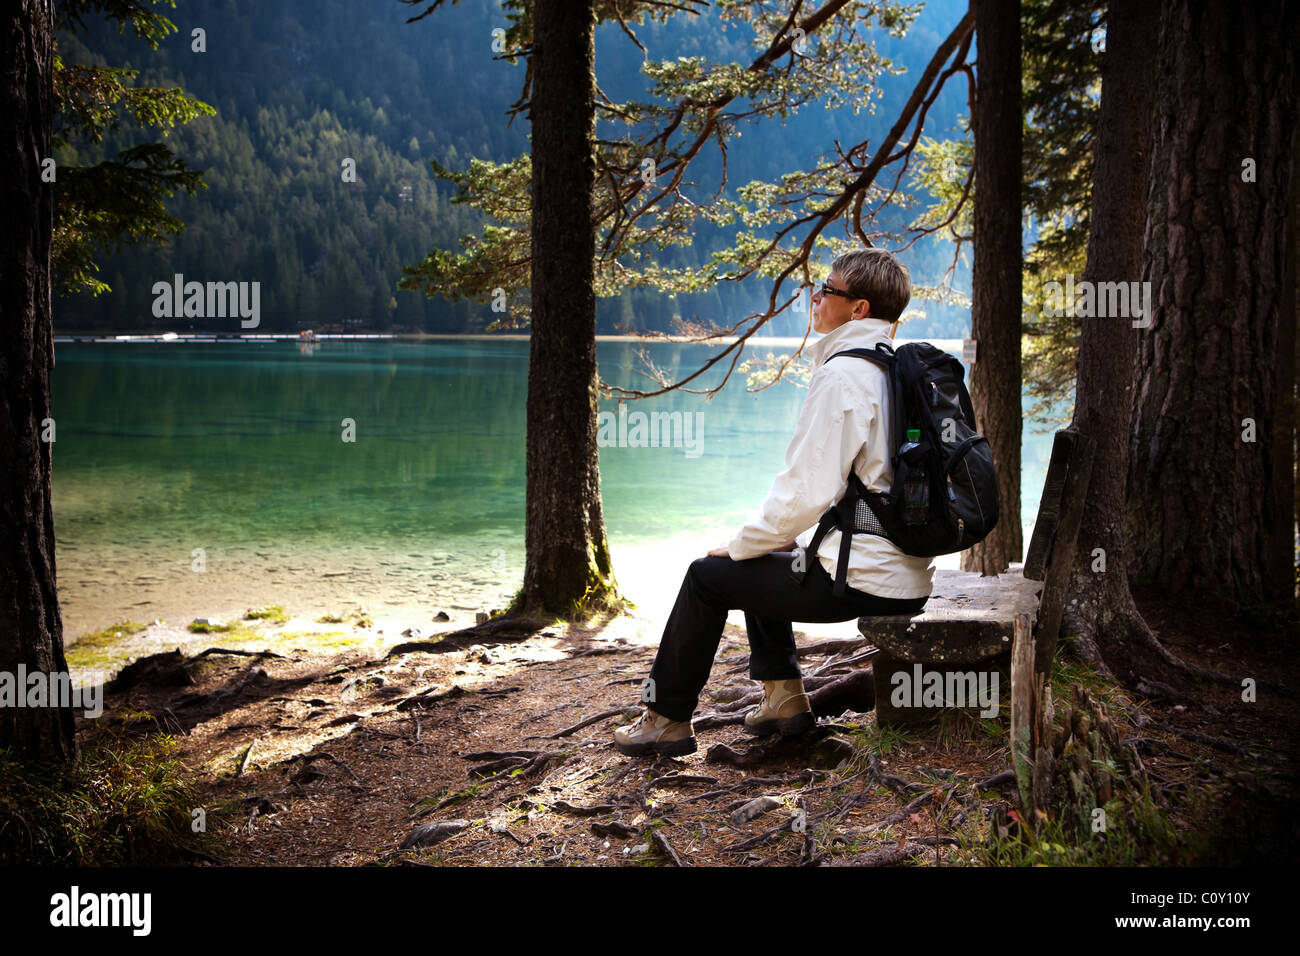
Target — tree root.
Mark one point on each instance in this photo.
(502, 630)
(1109, 634)
(563, 806)
(1222, 744)
(430, 696)
(227, 650)
(603, 715)
(882, 856)
(661, 843)
(681, 779)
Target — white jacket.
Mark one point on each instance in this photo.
(842, 424)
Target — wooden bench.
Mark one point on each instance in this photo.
(981, 625)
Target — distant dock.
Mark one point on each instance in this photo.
(198, 337)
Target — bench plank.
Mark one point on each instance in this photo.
(969, 617)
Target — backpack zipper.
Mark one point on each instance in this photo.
(960, 450)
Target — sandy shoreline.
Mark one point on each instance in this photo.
(396, 598)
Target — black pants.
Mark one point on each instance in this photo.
(766, 590)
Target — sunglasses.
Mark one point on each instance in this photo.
(828, 289)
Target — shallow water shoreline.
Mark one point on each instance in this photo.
(393, 598)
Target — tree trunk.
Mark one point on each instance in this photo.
(1211, 504)
(31, 629)
(995, 302)
(1105, 626)
(1289, 412)
(567, 568)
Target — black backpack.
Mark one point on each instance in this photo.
(944, 497)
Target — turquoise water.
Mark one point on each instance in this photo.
(237, 449)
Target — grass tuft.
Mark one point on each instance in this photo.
(125, 802)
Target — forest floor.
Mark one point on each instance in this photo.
(502, 754)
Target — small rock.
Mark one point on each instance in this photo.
(427, 834)
(756, 807)
(413, 632)
(481, 617)
(442, 616)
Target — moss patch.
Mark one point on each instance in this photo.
(91, 649)
(272, 614)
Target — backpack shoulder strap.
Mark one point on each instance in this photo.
(885, 356)
(882, 355)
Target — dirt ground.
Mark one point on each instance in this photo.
(501, 754)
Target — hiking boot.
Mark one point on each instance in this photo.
(785, 708)
(653, 733)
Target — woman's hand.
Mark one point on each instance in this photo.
(721, 552)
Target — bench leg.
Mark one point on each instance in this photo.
(883, 668)
(895, 705)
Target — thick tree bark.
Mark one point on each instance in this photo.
(1105, 626)
(567, 568)
(1213, 510)
(31, 629)
(995, 302)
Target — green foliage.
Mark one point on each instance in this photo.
(116, 202)
(1139, 832)
(644, 204)
(136, 15)
(1061, 90)
(302, 84)
(870, 738)
(125, 803)
(112, 204)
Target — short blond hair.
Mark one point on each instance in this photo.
(878, 277)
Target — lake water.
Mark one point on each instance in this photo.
(235, 448)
